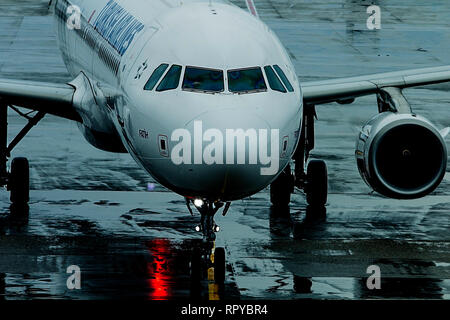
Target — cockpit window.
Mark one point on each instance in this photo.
(284, 78)
(274, 82)
(204, 80)
(156, 75)
(171, 80)
(246, 80)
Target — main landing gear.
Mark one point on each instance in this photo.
(17, 180)
(313, 182)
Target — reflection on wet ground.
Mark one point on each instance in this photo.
(131, 241)
(125, 251)
(112, 268)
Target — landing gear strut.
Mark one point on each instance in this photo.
(17, 180)
(207, 210)
(207, 223)
(206, 254)
(315, 181)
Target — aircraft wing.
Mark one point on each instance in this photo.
(344, 90)
(47, 97)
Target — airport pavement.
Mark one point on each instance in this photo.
(90, 208)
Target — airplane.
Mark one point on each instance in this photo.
(148, 75)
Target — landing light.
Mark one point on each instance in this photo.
(198, 203)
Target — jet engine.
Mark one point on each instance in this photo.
(401, 155)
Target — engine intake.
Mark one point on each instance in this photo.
(401, 155)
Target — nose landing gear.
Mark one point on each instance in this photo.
(208, 225)
(207, 210)
(206, 256)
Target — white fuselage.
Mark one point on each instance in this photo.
(121, 43)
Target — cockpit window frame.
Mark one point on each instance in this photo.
(202, 90)
(246, 91)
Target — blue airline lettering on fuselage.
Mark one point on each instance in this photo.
(117, 26)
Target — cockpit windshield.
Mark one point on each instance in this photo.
(284, 78)
(203, 80)
(171, 79)
(156, 75)
(274, 82)
(246, 80)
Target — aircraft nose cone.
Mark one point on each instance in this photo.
(234, 153)
(231, 119)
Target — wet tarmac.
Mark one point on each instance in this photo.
(92, 209)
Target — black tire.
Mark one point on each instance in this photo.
(316, 183)
(219, 265)
(19, 214)
(281, 189)
(196, 275)
(19, 181)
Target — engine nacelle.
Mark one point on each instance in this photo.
(401, 155)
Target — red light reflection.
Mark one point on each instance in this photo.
(159, 269)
